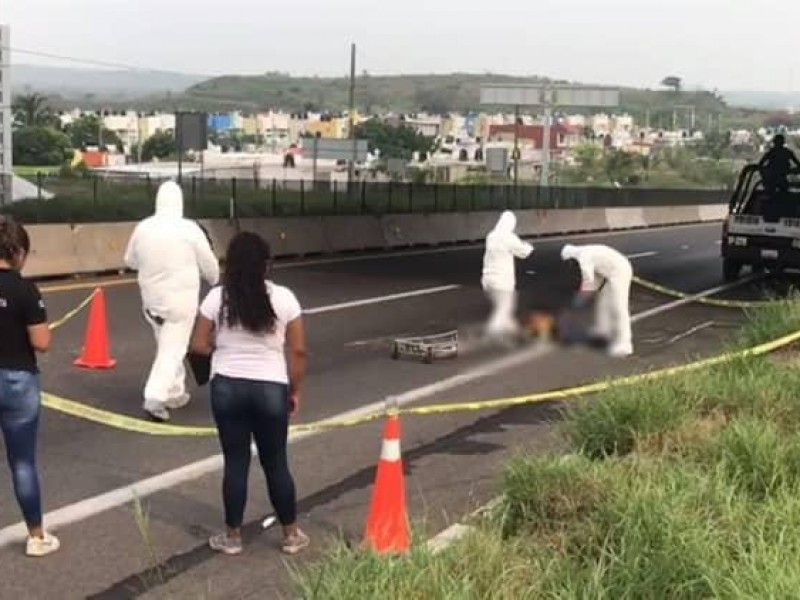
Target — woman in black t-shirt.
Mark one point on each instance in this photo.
(23, 321)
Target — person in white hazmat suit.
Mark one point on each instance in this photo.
(171, 254)
(608, 273)
(499, 274)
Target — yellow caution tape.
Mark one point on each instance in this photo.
(132, 424)
(709, 301)
(73, 313)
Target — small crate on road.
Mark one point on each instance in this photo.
(428, 347)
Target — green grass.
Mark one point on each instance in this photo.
(684, 488)
(32, 172)
(87, 199)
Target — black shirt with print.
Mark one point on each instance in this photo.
(21, 306)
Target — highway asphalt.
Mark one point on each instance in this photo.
(453, 461)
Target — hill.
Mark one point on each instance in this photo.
(437, 94)
(102, 84)
(764, 100)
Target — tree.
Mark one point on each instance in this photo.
(781, 120)
(32, 110)
(434, 101)
(41, 147)
(160, 145)
(623, 167)
(393, 142)
(673, 82)
(85, 132)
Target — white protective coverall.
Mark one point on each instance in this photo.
(499, 276)
(610, 272)
(171, 254)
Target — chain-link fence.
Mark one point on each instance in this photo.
(94, 199)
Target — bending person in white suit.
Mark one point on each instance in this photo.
(171, 255)
(608, 273)
(503, 246)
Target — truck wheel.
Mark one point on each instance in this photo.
(731, 269)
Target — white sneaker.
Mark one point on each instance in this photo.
(38, 547)
(620, 350)
(179, 402)
(159, 415)
(294, 544)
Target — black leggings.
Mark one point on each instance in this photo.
(245, 410)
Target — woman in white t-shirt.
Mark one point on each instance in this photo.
(252, 328)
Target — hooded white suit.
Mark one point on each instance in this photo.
(610, 272)
(171, 254)
(499, 278)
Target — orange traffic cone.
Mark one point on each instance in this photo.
(96, 353)
(387, 524)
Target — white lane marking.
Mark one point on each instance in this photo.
(686, 247)
(642, 255)
(456, 532)
(380, 299)
(91, 507)
(718, 243)
(378, 255)
(676, 303)
(530, 272)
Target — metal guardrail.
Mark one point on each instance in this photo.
(94, 199)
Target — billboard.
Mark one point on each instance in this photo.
(497, 160)
(191, 131)
(554, 95)
(335, 149)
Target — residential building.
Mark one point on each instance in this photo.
(562, 136)
(327, 126)
(250, 125)
(427, 125)
(221, 122)
(151, 124)
(6, 117)
(601, 125)
(125, 125)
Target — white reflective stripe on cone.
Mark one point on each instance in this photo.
(390, 450)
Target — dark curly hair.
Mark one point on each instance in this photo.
(245, 299)
(14, 240)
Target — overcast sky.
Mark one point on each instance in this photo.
(725, 44)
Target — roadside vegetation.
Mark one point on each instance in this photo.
(686, 487)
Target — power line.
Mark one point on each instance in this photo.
(135, 69)
(155, 97)
(94, 62)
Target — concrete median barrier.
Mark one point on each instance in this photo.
(220, 232)
(100, 248)
(481, 223)
(347, 234)
(292, 236)
(52, 251)
(712, 212)
(96, 248)
(670, 215)
(407, 230)
(560, 221)
(625, 218)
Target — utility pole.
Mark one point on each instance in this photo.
(100, 130)
(516, 153)
(548, 113)
(352, 132)
(179, 140)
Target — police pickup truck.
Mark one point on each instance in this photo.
(762, 229)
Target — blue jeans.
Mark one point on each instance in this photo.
(246, 410)
(20, 404)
